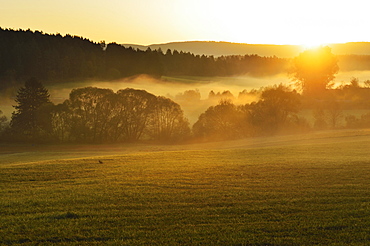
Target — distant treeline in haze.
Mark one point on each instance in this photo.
(55, 58)
(98, 115)
(215, 48)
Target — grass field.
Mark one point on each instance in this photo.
(292, 190)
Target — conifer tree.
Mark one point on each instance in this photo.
(30, 99)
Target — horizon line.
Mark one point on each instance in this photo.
(181, 41)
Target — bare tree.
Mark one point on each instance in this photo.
(167, 122)
(134, 108)
(91, 112)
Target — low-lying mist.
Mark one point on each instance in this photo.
(178, 88)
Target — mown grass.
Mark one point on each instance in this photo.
(310, 194)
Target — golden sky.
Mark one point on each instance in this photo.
(307, 22)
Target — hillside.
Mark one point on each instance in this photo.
(227, 48)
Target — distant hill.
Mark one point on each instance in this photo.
(353, 48)
(226, 48)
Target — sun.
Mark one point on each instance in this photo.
(312, 44)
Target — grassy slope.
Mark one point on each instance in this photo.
(278, 191)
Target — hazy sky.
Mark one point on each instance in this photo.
(161, 21)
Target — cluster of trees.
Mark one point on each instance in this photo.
(53, 58)
(275, 112)
(95, 115)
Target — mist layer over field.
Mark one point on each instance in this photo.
(173, 86)
(166, 86)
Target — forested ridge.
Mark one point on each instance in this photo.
(53, 58)
(56, 58)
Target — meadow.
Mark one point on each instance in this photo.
(309, 189)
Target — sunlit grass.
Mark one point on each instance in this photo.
(313, 193)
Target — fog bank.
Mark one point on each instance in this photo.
(174, 87)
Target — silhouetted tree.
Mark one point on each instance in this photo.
(367, 83)
(314, 69)
(62, 122)
(3, 121)
(91, 113)
(354, 122)
(221, 96)
(134, 108)
(355, 82)
(167, 122)
(30, 98)
(223, 121)
(274, 111)
(189, 96)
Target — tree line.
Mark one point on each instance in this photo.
(98, 115)
(55, 58)
(94, 115)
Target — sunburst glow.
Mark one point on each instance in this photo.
(146, 22)
(312, 45)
